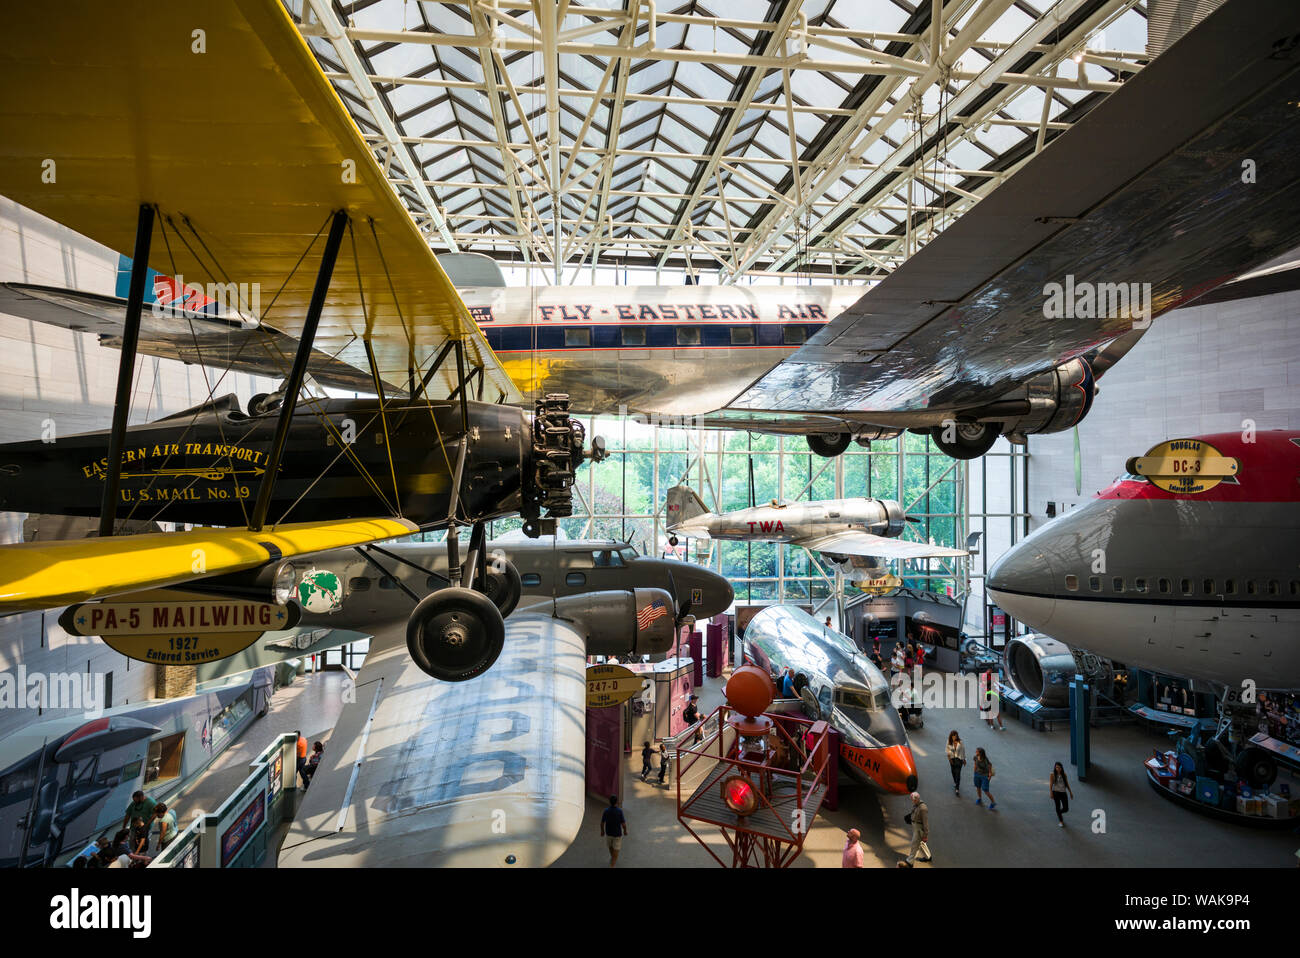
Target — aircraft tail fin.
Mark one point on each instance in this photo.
(684, 504)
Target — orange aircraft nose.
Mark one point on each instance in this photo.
(890, 769)
(897, 769)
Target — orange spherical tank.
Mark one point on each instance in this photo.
(750, 690)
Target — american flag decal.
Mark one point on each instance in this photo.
(655, 610)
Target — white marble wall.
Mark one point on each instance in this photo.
(1198, 370)
(67, 378)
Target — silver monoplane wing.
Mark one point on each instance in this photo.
(1183, 179)
(855, 543)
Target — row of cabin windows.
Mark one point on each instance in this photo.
(1208, 587)
(362, 583)
(579, 337)
(600, 559)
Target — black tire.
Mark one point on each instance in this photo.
(972, 439)
(1257, 767)
(672, 541)
(504, 588)
(455, 634)
(258, 406)
(828, 445)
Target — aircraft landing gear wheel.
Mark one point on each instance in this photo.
(828, 445)
(264, 403)
(504, 588)
(455, 634)
(672, 540)
(970, 439)
(1257, 767)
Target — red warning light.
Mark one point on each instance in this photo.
(738, 792)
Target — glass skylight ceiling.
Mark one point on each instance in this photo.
(746, 137)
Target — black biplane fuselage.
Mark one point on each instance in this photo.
(204, 466)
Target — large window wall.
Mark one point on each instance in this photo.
(623, 498)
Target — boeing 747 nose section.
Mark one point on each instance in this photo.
(1023, 581)
(1186, 565)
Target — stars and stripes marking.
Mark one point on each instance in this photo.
(655, 610)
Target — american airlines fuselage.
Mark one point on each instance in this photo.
(667, 351)
(848, 691)
(1202, 585)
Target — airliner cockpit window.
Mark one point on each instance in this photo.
(854, 699)
(628, 553)
(608, 559)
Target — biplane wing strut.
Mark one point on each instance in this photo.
(293, 384)
(126, 369)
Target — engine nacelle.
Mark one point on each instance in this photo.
(895, 519)
(1041, 668)
(1055, 401)
(633, 622)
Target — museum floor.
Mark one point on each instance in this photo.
(1142, 829)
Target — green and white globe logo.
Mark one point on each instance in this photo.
(320, 592)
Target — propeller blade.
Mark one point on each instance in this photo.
(683, 606)
(1078, 464)
(1102, 358)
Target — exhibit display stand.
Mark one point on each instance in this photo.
(1080, 731)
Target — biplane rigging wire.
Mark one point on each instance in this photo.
(267, 346)
(212, 270)
(325, 422)
(374, 367)
(411, 348)
(171, 258)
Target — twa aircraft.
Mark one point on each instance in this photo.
(1204, 585)
(970, 339)
(857, 535)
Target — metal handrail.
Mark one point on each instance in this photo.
(798, 776)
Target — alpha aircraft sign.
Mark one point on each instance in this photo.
(880, 586)
(170, 628)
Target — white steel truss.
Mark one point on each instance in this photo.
(830, 137)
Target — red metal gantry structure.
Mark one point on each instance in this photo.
(765, 776)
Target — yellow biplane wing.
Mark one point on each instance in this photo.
(216, 112)
(46, 575)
